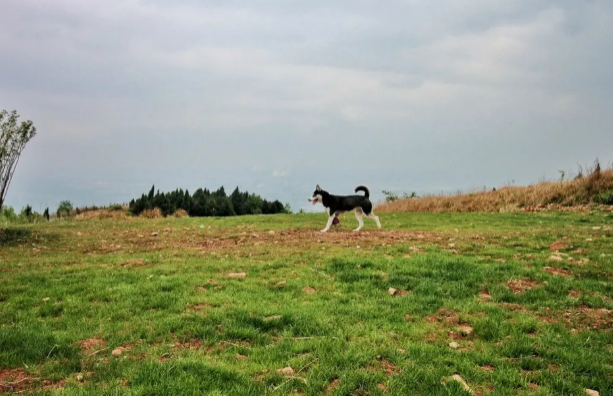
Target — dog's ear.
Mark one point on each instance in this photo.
(318, 188)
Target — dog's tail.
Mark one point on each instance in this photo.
(365, 189)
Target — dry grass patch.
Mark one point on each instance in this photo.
(577, 194)
(518, 286)
(155, 213)
(102, 214)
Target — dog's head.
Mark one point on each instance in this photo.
(317, 195)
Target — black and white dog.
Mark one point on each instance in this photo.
(337, 204)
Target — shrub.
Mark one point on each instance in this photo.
(154, 213)
(65, 207)
(604, 197)
(180, 213)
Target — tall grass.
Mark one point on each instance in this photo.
(593, 188)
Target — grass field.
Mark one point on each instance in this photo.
(514, 303)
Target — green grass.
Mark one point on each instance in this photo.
(187, 328)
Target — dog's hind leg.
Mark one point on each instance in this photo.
(358, 215)
(330, 220)
(371, 215)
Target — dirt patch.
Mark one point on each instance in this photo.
(518, 286)
(430, 337)
(487, 367)
(557, 271)
(512, 306)
(580, 318)
(15, 380)
(443, 316)
(198, 307)
(383, 365)
(558, 246)
(332, 386)
(594, 318)
(484, 295)
(50, 385)
(130, 263)
(92, 344)
(448, 316)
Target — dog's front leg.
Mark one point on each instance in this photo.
(330, 220)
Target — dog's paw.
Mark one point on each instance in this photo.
(324, 230)
(356, 230)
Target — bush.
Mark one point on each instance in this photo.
(604, 198)
(65, 207)
(8, 215)
(180, 213)
(154, 213)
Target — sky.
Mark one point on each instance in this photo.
(276, 96)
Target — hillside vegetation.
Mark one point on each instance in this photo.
(596, 188)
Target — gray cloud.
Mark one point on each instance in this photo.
(412, 95)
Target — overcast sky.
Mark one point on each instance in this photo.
(276, 95)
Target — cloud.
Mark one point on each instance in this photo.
(279, 173)
(188, 93)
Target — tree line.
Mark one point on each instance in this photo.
(204, 203)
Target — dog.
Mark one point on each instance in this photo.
(337, 204)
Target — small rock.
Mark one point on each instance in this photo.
(286, 371)
(454, 345)
(80, 377)
(154, 234)
(281, 284)
(556, 258)
(117, 352)
(271, 232)
(401, 351)
(392, 291)
(201, 226)
(237, 275)
(592, 392)
(46, 299)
